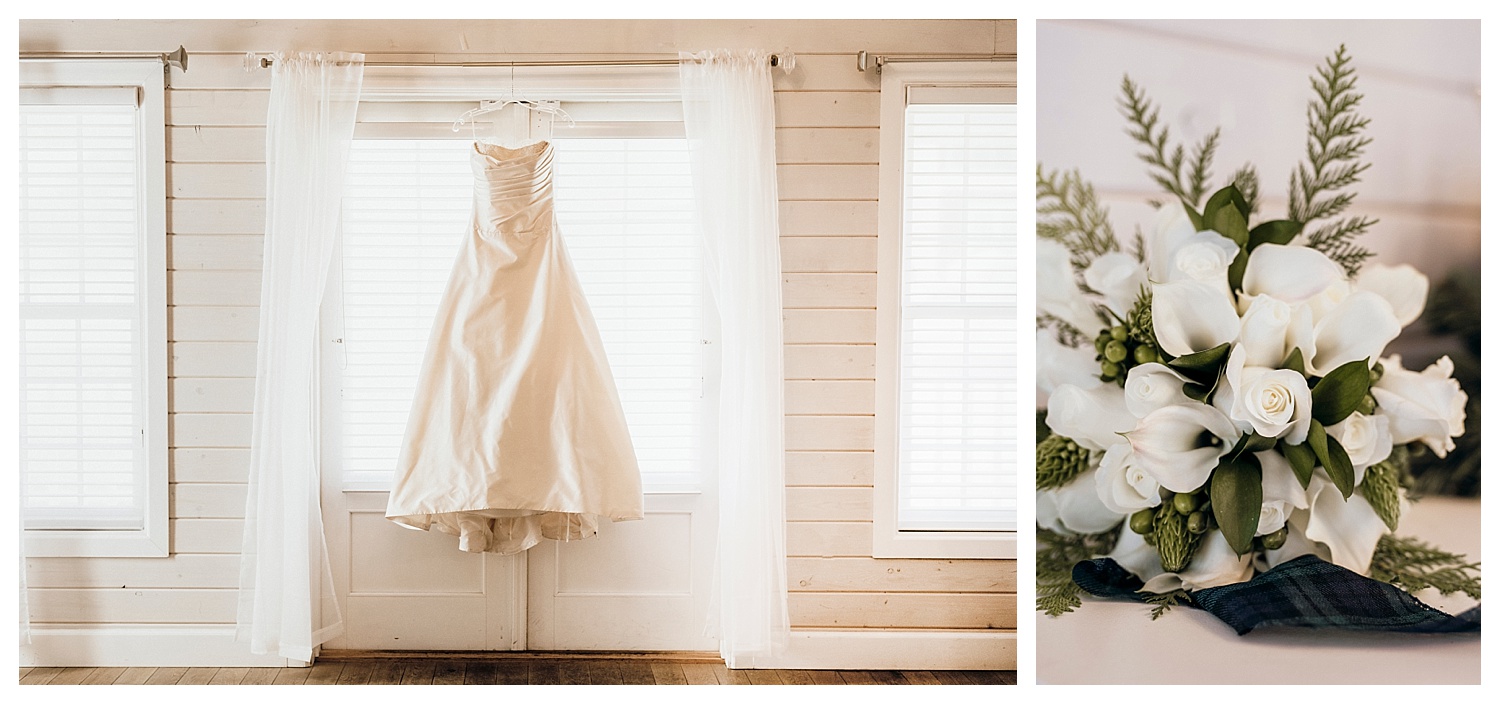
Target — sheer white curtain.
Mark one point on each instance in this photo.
(286, 604)
(731, 130)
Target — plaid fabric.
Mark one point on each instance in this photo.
(1306, 592)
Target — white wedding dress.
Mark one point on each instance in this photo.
(516, 431)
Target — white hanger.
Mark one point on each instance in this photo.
(548, 107)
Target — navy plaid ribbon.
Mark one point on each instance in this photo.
(1306, 592)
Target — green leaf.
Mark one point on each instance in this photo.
(1294, 362)
(1193, 215)
(1251, 442)
(1236, 496)
(1273, 232)
(1197, 392)
(1334, 459)
(1223, 198)
(1237, 269)
(1339, 393)
(1228, 222)
(1202, 367)
(1302, 459)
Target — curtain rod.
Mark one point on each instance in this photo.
(776, 60)
(176, 58)
(863, 60)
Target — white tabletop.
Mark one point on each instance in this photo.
(1117, 642)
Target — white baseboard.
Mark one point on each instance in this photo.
(142, 646)
(895, 650)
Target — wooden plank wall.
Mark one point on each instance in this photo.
(827, 137)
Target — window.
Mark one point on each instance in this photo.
(625, 212)
(946, 318)
(93, 308)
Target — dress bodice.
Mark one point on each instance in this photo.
(512, 187)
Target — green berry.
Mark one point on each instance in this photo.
(1376, 372)
(1165, 493)
(1150, 539)
(1366, 405)
(1118, 332)
(1115, 351)
(1144, 355)
(1100, 342)
(1197, 523)
(1141, 521)
(1111, 370)
(1185, 503)
(1274, 541)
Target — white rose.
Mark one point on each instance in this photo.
(1367, 440)
(1094, 418)
(1263, 331)
(1205, 257)
(1192, 316)
(1168, 230)
(1057, 292)
(1118, 277)
(1151, 386)
(1180, 445)
(1123, 487)
(1281, 493)
(1214, 565)
(1402, 286)
(1426, 406)
(1075, 507)
(1271, 402)
(1058, 364)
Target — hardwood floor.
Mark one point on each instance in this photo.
(501, 671)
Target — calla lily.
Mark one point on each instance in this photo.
(1057, 292)
(1358, 328)
(1348, 528)
(1123, 487)
(1367, 440)
(1118, 277)
(1191, 316)
(1426, 406)
(1180, 445)
(1205, 257)
(1151, 386)
(1297, 543)
(1263, 331)
(1289, 273)
(1168, 230)
(1058, 364)
(1280, 492)
(1214, 565)
(1402, 286)
(1094, 418)
(1272, 403)
(1075, 508)
(1136, 556)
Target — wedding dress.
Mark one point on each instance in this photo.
(516, 431)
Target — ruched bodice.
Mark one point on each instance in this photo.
(516, 431)
(512, 187)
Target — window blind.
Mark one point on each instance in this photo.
(83, 371)
(624, 209)
(956, 433)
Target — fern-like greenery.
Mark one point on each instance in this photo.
(1056, 592)
(1248, 181)
(1413, 565)
(1183, 175)
(1164, 602)
(1335, 143)
(1068, 212)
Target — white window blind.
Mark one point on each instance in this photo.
(956, 438)
(83, 383)
(624, 208)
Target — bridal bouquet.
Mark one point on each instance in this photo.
(1219, 401)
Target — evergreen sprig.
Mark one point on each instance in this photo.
(1167, 161)
(1068, 212)
(1165, 601)
(1056, 554)
(1318, 189)
(1413, 565)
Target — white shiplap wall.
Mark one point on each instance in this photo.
(827, 137)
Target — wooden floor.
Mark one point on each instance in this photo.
(538, 671)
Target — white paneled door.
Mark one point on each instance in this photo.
(624, 210)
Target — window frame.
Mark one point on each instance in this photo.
(148, 77)
(889, 540)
